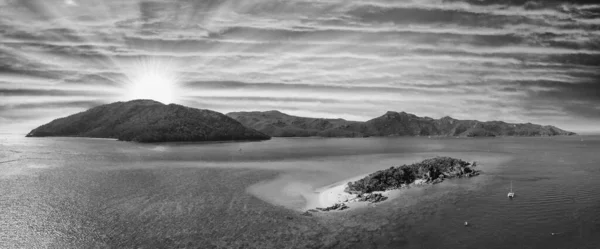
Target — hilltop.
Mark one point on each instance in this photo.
(279, 124)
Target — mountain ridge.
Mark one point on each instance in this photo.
(392, 123)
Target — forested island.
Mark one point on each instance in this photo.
(152, 121)
(376, 186)
(278, 124)
(432, 170)
(148, 121)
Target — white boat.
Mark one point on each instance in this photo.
(511, 194)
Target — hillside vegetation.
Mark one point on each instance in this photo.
(277, 124)
(430, 171)
(149, 121)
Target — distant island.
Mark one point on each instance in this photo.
(278, 124)
(149, 121)
(376, 187)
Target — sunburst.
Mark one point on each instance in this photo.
(153, 79)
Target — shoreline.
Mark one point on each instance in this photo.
(334, 194)
(331, 194)
(310, 192)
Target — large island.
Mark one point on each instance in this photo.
(278, 124)
(148, 121)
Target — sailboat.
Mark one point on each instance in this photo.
(511, 194)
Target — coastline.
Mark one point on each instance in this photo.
(312, 190)
(334, 194)
(331, 194)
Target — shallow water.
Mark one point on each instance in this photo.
(82, 193)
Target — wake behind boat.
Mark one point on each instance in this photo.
(511, 194)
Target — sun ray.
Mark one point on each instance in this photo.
(152, 78)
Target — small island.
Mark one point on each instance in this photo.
(375, 187)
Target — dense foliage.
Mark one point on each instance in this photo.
(431, 170)
(149, 121)
(279, 124)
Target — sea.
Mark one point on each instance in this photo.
(103, 193)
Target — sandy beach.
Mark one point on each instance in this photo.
(332, 194)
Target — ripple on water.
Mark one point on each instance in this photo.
(129, 196)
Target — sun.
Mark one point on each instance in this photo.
(152, 80)
(152, 85)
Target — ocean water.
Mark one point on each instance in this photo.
(100, 193)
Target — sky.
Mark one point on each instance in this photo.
(512, 60)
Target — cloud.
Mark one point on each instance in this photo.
(45, 92)
(345, 58)
(71, 2)
(51, 105)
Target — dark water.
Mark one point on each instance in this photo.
(94, 193)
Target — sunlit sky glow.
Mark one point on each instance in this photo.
(512, 60)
